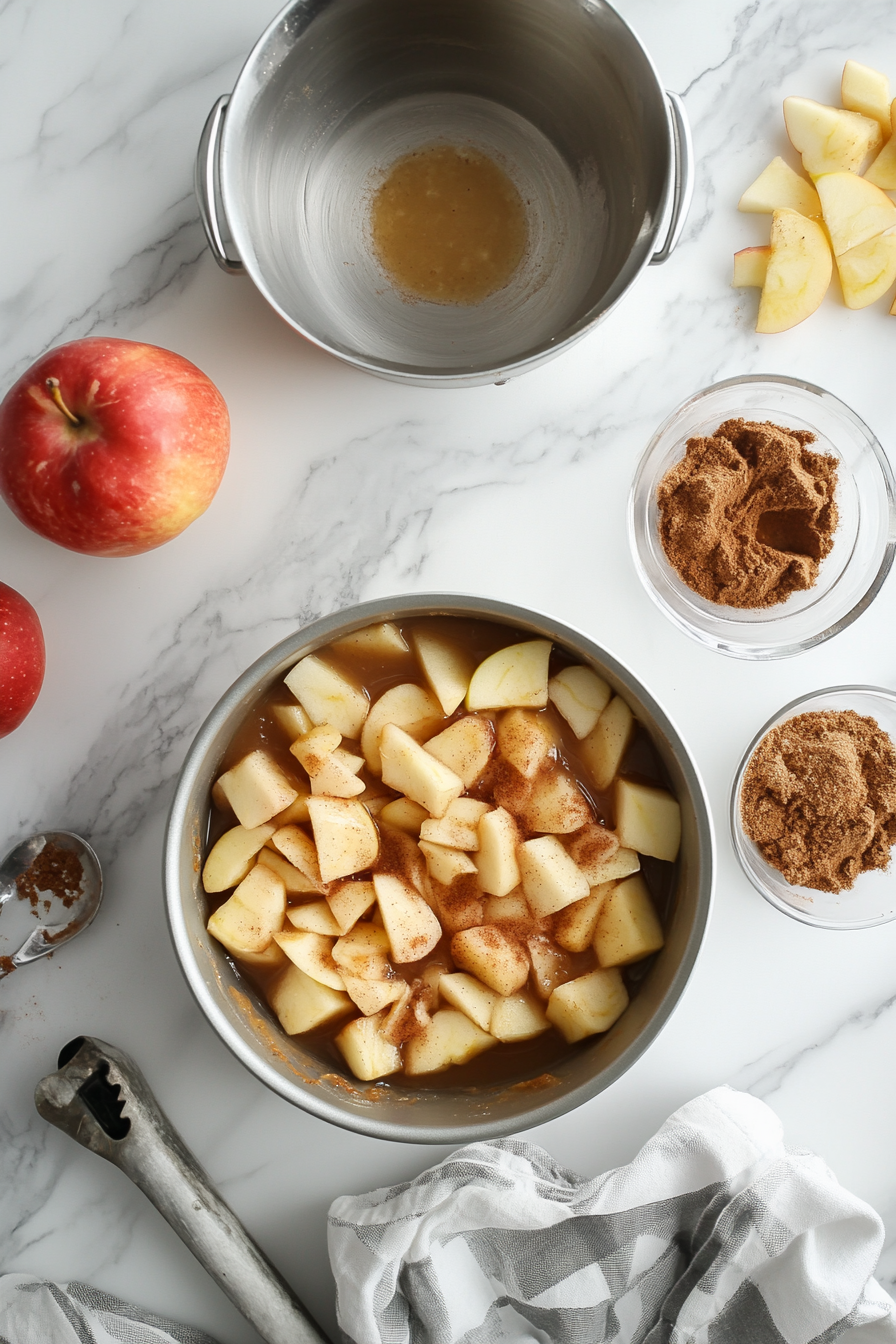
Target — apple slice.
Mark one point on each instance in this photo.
(591, 847)
(750, 267)
(574, 927)
(458, 905)
(459, 828)
(515, 676)
(231, 857)
(491, 956)
(550, 966)
(296, 812)
(499, 872)
(336, 778)
(854, 210)
(627, 927)
(345, 836)
(648, 819)
(327, 696)
(466, 747)
(363, 952)
(294, 880)
(581, 696)
(450, 1038)
(372, 996)
(248, 920)
(312, 748)
(778, 187)
(257, 789)
(348, 901)
(417, 774)
(445, 864)
(446, 667)
(525, 741)
(588, 1004)
(405, 705)
(313, 917)
(882, 172)
(299, 850)
(510, 909)
(410, 925)
(830, 139)
(551, 880)
(865, 90)
(556, 804)
(604, 747)
(384, 640)
(409, 1015)
(799, 272)
(312, 953)
(302, 1004)
(868, 271)
(292, 719)
(470, 996)
(365, 1051)
(273, 958)
(405, 815)
(518, 1017)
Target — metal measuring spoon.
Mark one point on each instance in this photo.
(31, 930)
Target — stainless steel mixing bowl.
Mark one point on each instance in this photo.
(560, 92)
(401, 1112)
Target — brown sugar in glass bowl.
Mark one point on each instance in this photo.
(814, 573)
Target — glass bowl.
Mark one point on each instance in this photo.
(863, 543)
(872, 898)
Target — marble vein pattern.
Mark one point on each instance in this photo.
(341, 488)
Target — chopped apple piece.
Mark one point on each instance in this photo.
(256, 788)
(525, 741)
(327, 696)
(470, 996)
(515, 676)
(574, 927)
(550, 966)
(882, 172)
(830, 139)
(605, 746)
(778, 187)
(411, 926)
(296, 812)
(219, 798)
(588, 1004)
(294, 880)
(312, 748)
(750, 267)
(313, 917)
(591, 847)
(627, 927)
(292, 719)
(865, 90)
(335, 778)
(510, 909)
(648, 819)
(346, 838)
(404, 705)
(384, 640)
(365, 1051)
(459, 828)
(312, 953)
(799, 272)
(348, 901)
(248, 920)
(372, 996)
(364, 952)
(446, 667)
(230, 858)
(411, 770)
(273, 958)
(581, 696)
(302, 1004)
(466, 747)
(556, 804)
(518, 1018)
(854, 210)
(446, 864)
(400, 855)
(492, 957)
(409, 1015)
(499, 872)
(450, 1038)
(551, 880)
(405, 815)
(299, 850)
(868, 271)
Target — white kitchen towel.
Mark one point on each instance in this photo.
(715, 1234)
(35, 1311)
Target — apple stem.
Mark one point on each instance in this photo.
(53, 389)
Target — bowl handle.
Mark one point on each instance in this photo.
(208, 187)
(683, 189)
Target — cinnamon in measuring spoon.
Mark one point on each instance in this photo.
(55, 872)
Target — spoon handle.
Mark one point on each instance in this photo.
(100, 1098)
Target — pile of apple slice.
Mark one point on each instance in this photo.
(849, 154)
(436, 901)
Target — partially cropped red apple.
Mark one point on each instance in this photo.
(110, 447)
(21, 658)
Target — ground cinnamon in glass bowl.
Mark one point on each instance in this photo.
(762, 517)
(813, 808)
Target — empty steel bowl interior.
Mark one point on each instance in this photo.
(401, 1111)
(560, 92)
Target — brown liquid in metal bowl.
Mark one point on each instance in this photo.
(448, 225)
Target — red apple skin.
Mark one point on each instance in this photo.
(144, 460)
(22, 658)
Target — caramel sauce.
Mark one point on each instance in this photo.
(448, 225)
(507, 1062)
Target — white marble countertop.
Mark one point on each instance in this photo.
(341, 487)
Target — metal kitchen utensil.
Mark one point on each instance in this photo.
(99, 1097)
(28, 931)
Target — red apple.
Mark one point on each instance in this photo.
(21, 658)
(110, 447)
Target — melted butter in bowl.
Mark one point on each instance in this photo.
(448, 225)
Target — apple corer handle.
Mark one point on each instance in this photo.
(683, 181)
(99, 1097)
(208, 190)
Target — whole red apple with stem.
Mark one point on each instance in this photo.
(111, 447)
(22, 658)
